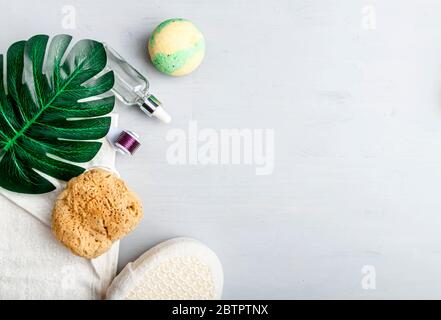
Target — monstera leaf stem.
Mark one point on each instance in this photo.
(35, 118)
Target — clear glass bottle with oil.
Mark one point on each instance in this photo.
(132, 88)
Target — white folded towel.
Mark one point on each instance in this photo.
(33, 264)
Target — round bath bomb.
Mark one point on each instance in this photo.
(176, 47)
(95, 210)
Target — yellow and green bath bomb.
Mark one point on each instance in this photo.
(176, 47)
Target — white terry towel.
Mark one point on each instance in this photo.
(33, 264)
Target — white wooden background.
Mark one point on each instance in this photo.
(356, 113)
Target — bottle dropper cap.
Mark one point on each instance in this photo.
(162, 115)
(153, 108)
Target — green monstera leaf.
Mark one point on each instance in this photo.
(49, 109)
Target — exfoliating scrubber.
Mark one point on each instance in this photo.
(177, 269)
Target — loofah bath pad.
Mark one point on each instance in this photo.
(177, 269)
(95, 210)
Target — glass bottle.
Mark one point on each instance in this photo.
(132, 88)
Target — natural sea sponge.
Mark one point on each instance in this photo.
(95, 210)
